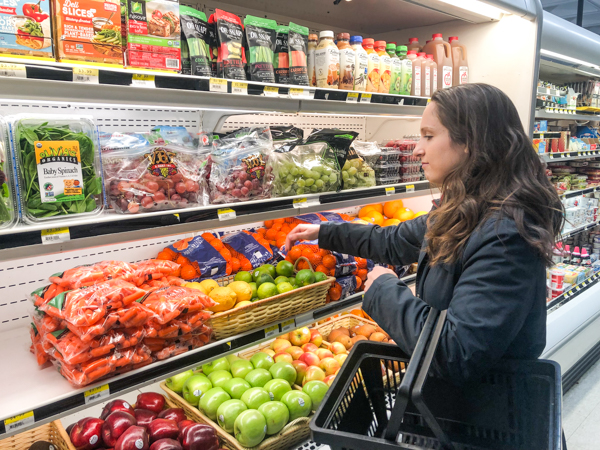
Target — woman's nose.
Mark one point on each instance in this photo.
(419, 151)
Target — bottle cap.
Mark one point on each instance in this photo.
(326, 34)
(453, 38)
(421, 55)
(401, 48)
(411, 40)
(368, 41)
(380, 44)
(567, 249)
(313, 37)
(355, 39)
(584, 252)
(576, 250)
(390, 46)
(437, 35)
(343, 36)
(430, 57)
(411, 52)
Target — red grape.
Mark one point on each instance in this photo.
(133, 207)
(180, 188)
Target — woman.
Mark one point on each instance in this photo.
(483, 248)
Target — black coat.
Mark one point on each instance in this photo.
(495, 293)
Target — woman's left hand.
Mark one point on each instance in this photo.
(376, 273)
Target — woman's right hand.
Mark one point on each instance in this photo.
(302, 232)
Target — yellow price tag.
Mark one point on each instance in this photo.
(288, 325)
(53, 235)
(239, 88)
(271, 331)
(143, 80)
(410, 188)
(271, 91)
(366, 98)
(226, 214)
(390, 190)
(97, 393)
(299, 201)
(218, 85)
(352, 97)
(13, 70)
(86, 75)
(18, 422)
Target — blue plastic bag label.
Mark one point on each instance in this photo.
(245, 244)
(210, 262)
(348, 285)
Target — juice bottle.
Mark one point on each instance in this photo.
(385, 67)
(413, 44)
(396, 68)
(460, 74)
(373, 75)
(406, 74)
(313, 41)
(434, 74)
(327, 61)
(415, 88)
(347, 58)
(425, 75)
(361, 64)
(442, 55)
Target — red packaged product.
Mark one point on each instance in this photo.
(89, 275)
(231, 56)
(153, 269)
(170, 302)
(37, 347)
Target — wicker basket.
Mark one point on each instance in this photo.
(264, 312)
(292, 434)
(52, 432)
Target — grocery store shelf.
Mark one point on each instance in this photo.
(49, 396)
(565, 156)
(561, 116)
(572, 293)
(110, 227)
(574, 231)
(571, 194)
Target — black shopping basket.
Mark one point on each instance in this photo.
(383, 399)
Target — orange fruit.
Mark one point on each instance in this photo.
(271, 234)
(335, 292)
(322, 268)
(226, 254)
(302, 265)
(262, 231)
(374, 217)
(314, 258)
(281, 235)
(235, 264)
(390, 208)
(420, 213)
(295, 253)
(404, 214)
(217, 244)
(165, 255)
(323, 252)
(280, 221)
(358, 283)
(329, 261)
(182, 260)
(276, 227)
(280, 242)
(362, 274)
(365, 209)
(228, 269)
(361, 263)
(285, 229)
(188, 272)
(246, 265)
(307, 252)
(357, 312)
(208, 237)
(390, 222)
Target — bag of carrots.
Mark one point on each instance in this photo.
(37, 346)
(152, 269)
(89, 275)
(170, 302)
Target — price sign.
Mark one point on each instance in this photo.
(13, 70)
(218, 85)
(239, 88)
(54, 235)
(95, 394)
(302, 93)
(352, 97)
(366, 98)
(226, 214)
(390, 190)
(86, 75)
(288, 325)
(271, 91)
(141, 80)
(271, 331)
(18, 422)
(410, 188)
(305, 202)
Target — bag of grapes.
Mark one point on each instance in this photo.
(356, 172)
(153, 171)
(338, 142)
(239, 166)
(286, 135)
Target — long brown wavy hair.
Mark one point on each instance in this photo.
(502, 175)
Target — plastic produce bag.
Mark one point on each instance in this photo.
(89, 275)
(297, 48)
(231, 56)
(286, 135)
(239, 170)
(194, 34)
(153, 269)
(338, 142)
(253, 248)
(357, 172)
(199, 257)
(8, 202)
(281, 59)
(168, 303)
(183, 324)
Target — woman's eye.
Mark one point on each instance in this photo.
(427, 137)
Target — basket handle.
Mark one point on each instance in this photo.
(303, 258)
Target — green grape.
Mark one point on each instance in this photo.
(332, 178)
(352, 171)
(351, 181)
(356, 163)
(315, 175)
(325, 179)
(319, 183)
(294, 171)
(345, 175)
(347, 165)
(289, 179)
(318, 169)
(287, 190)
(313, 188)
(326, 170)
(301, 183)
(310, 182)
(300, 191)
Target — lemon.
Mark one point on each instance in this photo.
(242, 290)
(207, 286)
(267, 290)
(240, 304)
(194, 285)
(224, 297)
(282, 288)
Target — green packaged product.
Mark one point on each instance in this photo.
(260, 37)
(195, 34)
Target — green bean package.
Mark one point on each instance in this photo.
(260, 36)
(230, 34)
(281, 59)
(194, 30)
(58, 167)
(297, 44)
(8, 213)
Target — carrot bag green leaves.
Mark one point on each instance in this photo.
(195, 35)
(58, 167)
(260, 36)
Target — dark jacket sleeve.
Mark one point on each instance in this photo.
(490, 303)
(398, 245)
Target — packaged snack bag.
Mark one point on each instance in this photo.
(195, 38)
(231, 56)
(260, 36)
(26, 29)
(297, 48)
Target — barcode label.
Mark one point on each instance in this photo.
(239, 88)
(172, 63)
(365, 98)
(410, 188)
(13, 70)
(142, 80)
(20, 421)
(352, 97)
(271, 331)
(54, 235)
(288, 325)
(226, 214)
(271, 91)
(390, 190)
(217, 85)
(96, 394)
(85, 75)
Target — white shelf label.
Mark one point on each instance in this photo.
(352, 97)
(288, 325)
(390, 190)
(13, 70)
(142, 80)
(366, 98)
(305, 202)
(226, 214)
(18, 422)
(54, 235)
(302, 93)
(271, 91)
(410, 188)
(86, 75)
(218, 85)
(271, 331)
(95, 394)
(239, 88)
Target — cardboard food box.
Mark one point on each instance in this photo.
(26, 28)
(153, 34)
(88, 30)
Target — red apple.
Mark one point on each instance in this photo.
(199, 437)
(330, 366)
(323, 353)
(341, 358)
(279, 345)
(269, 352)
(174, 414)
(115, 425)
(166, 444)
(329, 380)
(144, 417)
(134, 438)
(294, 351)
(300, 336)
(152, 401)
(184, 424)
(315, 337)
(116, 405)
(310, 348)
(86, 434)
(313, 373)
(300, 367)
(310, 359)
(337, 348)
(162, 429)
(283, 357)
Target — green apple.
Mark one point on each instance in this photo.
(228, 412)
(235, 387)
(195, 387)
(219, 377)
(254, 397)
(250, 428)
(232, 358)
(176, 382)
(258, 377)
(276, 415)
(276, 388)
(210, 402)
(284, 371)
(298, 403)
(217, 364)
(241, 368)
(262, 360)
(316, 390)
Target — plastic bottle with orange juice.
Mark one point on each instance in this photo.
(373, 74)
(385, 67)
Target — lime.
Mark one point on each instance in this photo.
(282, 288)
(268, 268)
(320, 276)
(243, 276)
(285, 268)
(293, 282)
(266, 290)
(281, 279)
(305, 277)
(254, 287)
(264, 278)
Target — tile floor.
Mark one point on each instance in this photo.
(581, 412)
